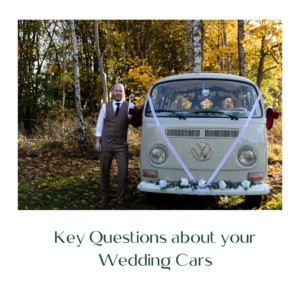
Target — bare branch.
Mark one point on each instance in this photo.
(53, 42)
(40, 66)
(269, 69)
(274, 57)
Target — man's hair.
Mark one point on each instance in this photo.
(120, 85)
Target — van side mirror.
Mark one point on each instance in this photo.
(269, 106)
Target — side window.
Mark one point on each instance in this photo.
(154, 97)
(257, 112)
(249, 101)
(245, 102)
(157, 99)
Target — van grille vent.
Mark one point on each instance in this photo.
(221, 133)
(183, 132)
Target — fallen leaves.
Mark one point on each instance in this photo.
(74, 183)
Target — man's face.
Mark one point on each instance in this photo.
(118, 92)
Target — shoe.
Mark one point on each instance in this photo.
(121, 203)
(102, 202)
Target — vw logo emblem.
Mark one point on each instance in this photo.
(202, 151)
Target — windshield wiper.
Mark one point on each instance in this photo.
(215, 112)
(171, 111)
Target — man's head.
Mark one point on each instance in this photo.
(118, 92)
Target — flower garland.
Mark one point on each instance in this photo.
(183, 183)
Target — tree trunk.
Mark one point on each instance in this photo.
(197, 45)
(226, 44)
(242, 58)
(100, 59)
(64, 71)
(146, 35)
(202, 29)
(222, 40)
(81, 138)
(137, 39)
(261, 62)
(127, 35)
(219, 57)
(190, 44)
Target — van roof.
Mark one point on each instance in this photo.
(204, 75)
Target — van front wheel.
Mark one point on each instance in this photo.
(152, 197)
(252, 201)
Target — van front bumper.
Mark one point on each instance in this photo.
(259, 189)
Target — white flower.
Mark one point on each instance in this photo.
(202, 183)
(222, 185)
(246, 184)
(205, 92)
(162, 183)
(184, 182)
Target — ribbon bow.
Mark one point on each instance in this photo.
(136, 119)
(270, 116)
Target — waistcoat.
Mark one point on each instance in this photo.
(116, 127)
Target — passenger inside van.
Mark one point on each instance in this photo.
(217, 99)
(176, 101)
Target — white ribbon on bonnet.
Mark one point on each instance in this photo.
(201, 191)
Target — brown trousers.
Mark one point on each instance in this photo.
(120, 152)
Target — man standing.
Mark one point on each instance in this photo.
(111, 141)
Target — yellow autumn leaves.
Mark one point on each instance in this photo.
(140, 78)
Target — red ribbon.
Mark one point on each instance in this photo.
(271, 115)
(136, 119)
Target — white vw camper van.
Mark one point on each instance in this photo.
(201, 115)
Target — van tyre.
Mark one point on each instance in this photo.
(252, 201)
(152, 197)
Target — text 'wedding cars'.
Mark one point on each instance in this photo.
(204, 134)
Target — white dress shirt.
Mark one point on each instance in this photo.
(102, 115)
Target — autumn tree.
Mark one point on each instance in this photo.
(190, 44)
(33, 81)
(196, 46)
(220, 46)
(140, 78)
(81, 138)
(271, 44)
(100, 58)
(202, 37)
(139, 50)
(63, 78)
(242, 58)
(226, 45)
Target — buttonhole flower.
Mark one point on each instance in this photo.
(184, 182)
(222, 185)
(202, 183)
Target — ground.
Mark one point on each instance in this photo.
(56, 182)
(55, 175)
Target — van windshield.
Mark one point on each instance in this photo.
(192, 97)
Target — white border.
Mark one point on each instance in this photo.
(33, 267)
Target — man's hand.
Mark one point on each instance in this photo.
(98, 145)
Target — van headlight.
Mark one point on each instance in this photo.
(158, 154)
(247, 157)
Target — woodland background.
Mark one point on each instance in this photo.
(65, 76)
